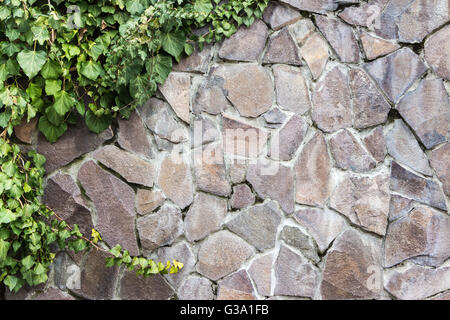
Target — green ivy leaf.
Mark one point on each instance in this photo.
(51, 70)
(52, 86)
(97, 124)
(40, 34)
(63, 102)
(31, 62)
(173, 43)
(4, 247)
(49, 130)
(91, 70)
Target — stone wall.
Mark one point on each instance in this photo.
(304, 157)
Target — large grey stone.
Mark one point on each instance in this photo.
(296, 238)
(440, 161)
(210, 96)
(196, 288)
(437, 52)
(278, 16)
(182, 253)
(242, 197)
(114, 203)
(285, 143)
(197, 62)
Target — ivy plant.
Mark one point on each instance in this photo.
(96, 60)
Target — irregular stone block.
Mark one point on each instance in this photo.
(182, 253)
(376, 144)
(399, 207)
(440, 161)
(257, 225)
(147, 201)
(296, 238)
(261, 273)
(25, 130)
(236, 287)
(285, 143)
(282, 49)
(315, 51)
(133, 287)
(132, 136)
(176, 91)
(114, 203)
(210, 96)
(242, 197)
(437, 51)
(196, 288)
(278, 16)
(197, 62)
(376, 47)
(221, 254)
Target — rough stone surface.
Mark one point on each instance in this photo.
(182, 253)
(176, 91)
(282, 49)
(349, 154)
(249, 88)
(315, 51)
(63, 195)
(399, 207)
(396, 72)
(376, 47)
(237, 170)
(129, 166)
(222, 253)
(257, 225)
(403, 147)
(341, 38)
(205, 216)
(147, 201)
(53, 294)
(236, 287)
(323, 224)
(302, 30)
(160, 228)
(210, 96)
(291, 89)
(246, 44)
(260, 272)
(285, 143)
(242, 197)
(296, 238)
(274, 181)
(363, 15)
(114, 203)
(427, 112)
(134, 287)
(210, 171)
(369, 106)
(25, 130)
(318, 6)
(364, 200)
(278, 16)
(197, 62)
(415, 187)
(295, 276)
(422, 235)
(343, 281)
(312, 171)
(175, 180)
(196, 288)
(375, 143)
(440, 161)
(417, 283)
(77, 141)
(331, 102)
(204, 130)
(437, 51)
(132, 136)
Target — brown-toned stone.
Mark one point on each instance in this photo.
(312, 171)
(114, 203)
(128, 165)
(415, 187)
(427, 111)
(348, 153)
(323, 224)
(147, 201)
(242, 139)
(353, 268)
(376, 47)
(257, 225)
(440, 161)
(282, 49)
(249, 88)
(134, 287)
(278, 16)
(182, 253)
(365, 201)
(396, 72)
(403, 147)
(260, 272)
(317, 6)
(132, 136)
(242, 197)
(294, 275)
(210, 96)
(197, 62)
(77, 141)
(302, 30)
(53, 294)
(399, 207)
(315, 51)
(176, 91)
(294, 237)
(331, 102)
(418, 283)
(274, 181)
(422, 235)
(221, 254)
(291, 89)
(160, 228)
(196, 288)
(205, 216)
(246, 44)
(437, 52)
(175, 180)
(237, 170)
(341, 38)
(203, 131)
(210, 173)
(63, 196)
(25, 130)
(370, 108)
(376, 144)
(285, 143)
(236, 287)
(363, 15)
